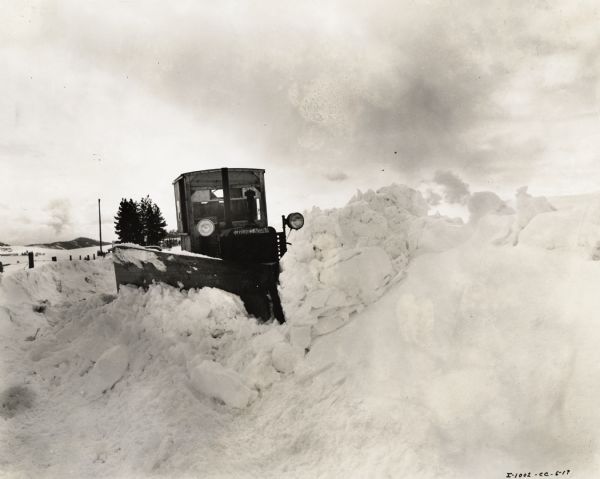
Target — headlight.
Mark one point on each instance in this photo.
(295, 221)
(205, 227)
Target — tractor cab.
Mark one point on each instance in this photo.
(223, 213)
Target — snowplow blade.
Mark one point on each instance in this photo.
(256, 284)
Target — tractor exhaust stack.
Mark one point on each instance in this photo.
(226, 197)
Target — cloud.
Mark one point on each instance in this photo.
(60, 214)
(433, 198)
(344, 82)
(58, 220)
(336, 175)
(455, 190)
(504, 94)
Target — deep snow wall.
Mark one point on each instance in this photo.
(346, 258)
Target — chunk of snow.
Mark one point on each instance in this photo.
(285, 357)
(328, 324)
(300, 336)
(482, 203)
(268, 340)
(138, 257)
(528, 207)
(107, 371)
(214, 380)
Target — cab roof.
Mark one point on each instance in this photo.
(215, 170)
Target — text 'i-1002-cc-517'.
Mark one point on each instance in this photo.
(223, 225)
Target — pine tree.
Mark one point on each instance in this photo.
(153, 223)
(128, 225)
(137, 224)
(122, 222)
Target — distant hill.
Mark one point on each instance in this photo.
(73, 244)
(3, 244)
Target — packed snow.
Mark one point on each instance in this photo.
(416, 346)
(137, 256)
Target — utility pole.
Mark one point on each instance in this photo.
(100, 227)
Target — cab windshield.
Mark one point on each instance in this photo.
(209, 203)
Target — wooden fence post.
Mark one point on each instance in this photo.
(30, 255)
(70, 258)
(54, 258)
(94, 256)
(79, 256)
(1, 267)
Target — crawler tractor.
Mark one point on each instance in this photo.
(223, 226)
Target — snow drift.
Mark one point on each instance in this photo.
(346, 258)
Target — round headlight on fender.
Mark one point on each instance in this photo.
(295, 221)
(205, 227)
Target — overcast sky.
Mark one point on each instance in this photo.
(115, 99)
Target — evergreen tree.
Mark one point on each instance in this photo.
(153, 223)
(123, 222)
(128, 225)
(137, 225)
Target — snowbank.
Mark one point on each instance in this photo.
(488, 355)
(57, 281)
(573, 226)
(14, 257)
(345, 259)
(77, 300)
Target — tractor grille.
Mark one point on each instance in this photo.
(260, 247)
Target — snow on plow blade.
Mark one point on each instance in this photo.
(256, 284)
